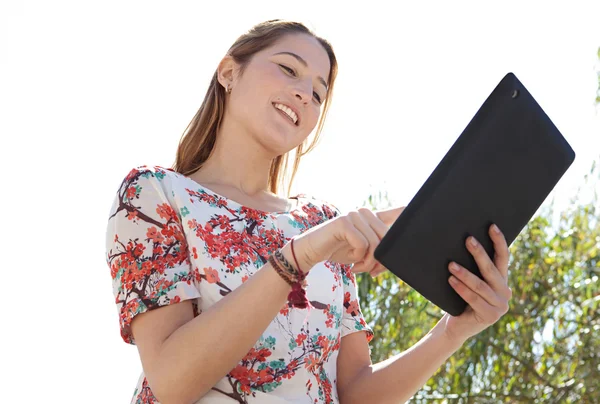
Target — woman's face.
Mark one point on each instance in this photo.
(290, 75)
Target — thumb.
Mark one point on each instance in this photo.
(389, 216)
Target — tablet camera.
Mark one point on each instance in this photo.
(515, 93)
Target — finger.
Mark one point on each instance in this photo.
(487, 268)
(355, 238)
(389, 216)
(380, 230)
(371, 218)
(361, 222)
(378, 270)
(501, 250)
(482, 308)
(476, 284)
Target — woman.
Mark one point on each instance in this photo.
(234, 294)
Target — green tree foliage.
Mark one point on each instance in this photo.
(545, 349)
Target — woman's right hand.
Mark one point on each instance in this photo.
(347, 239)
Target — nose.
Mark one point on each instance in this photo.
(303, 91)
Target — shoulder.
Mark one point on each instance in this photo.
(154, 175)
(149, 171)
(145, 184)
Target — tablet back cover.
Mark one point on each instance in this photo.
(500, 170)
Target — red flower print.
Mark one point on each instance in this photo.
(311, 362)
(154, 235)
(132, 215)
(196, 275)
(130, 192)
(150, 254)
(114, 269)
(300, 339)
(212, 200)
(322, 341)
(163, 285)
(240, 373)
(166, 212)
(212, 276)
(168, 232)
(264, 376)
(171, 260)
(348, 274)
(263, 354)
(328, 212)
(147, 268)
(223, 222)
(146, 395)
(352, 308)
(136, 250)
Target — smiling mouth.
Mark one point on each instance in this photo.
(286, 115)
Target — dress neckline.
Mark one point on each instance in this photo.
(236, 203)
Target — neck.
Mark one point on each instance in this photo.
(238, 161)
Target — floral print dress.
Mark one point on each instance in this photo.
(169, 239)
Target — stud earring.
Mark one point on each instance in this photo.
(228, 89)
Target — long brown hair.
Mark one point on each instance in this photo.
(198, 139)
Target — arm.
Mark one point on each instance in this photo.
(399, 377)
(395, 379)
(183, 356)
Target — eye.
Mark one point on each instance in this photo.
(288, 70)
(317, 97)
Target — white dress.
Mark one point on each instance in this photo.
(171, 239)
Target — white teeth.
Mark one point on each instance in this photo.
(288, 111)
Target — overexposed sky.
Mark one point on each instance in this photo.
(89, 90)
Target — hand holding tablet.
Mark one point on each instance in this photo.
(499, 171)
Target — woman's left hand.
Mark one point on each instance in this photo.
(487, 300)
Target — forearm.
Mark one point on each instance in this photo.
(398, 378)
(201, 352)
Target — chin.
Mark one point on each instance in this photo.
(278, 142)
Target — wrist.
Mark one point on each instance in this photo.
(451, 337)
(300, 259)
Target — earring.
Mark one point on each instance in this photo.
(228, 89)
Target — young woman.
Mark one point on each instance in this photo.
(233, 293)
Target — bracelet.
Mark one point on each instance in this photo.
(294, 255)
(286, 276)
(293, 277)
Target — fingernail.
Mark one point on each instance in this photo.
(453, 280)
(454, 267)
(496, 229)
(473, 241)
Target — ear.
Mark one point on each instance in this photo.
(227, 71)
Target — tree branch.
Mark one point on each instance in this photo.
(527, 365)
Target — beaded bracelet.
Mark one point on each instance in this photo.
(294, 277)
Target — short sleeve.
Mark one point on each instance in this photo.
(146, 249)
(352, 317)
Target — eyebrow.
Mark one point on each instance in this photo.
(299, 59)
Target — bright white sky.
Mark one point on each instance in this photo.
(89, 90)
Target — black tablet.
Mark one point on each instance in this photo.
(500, 170)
